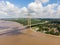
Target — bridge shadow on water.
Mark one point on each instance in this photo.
(14, 31)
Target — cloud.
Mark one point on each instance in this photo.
(8, 9)
(40, 11)
(35, 6)
(43, 1)
(34, 9)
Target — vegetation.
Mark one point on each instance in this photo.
(51, 27)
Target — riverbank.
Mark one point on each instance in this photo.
(28, 37)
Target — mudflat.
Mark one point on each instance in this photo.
(29, 37)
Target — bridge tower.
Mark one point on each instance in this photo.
(29, 22)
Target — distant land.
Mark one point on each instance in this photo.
(31, 18)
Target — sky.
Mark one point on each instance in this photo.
(29, 8)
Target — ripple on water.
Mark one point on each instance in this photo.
(1, 27)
